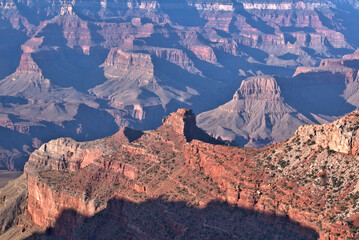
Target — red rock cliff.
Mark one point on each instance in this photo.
(307, 179)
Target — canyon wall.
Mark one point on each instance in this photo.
(308, 179)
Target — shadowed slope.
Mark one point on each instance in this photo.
(162, 219)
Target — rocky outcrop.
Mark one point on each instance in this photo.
(27, 65)
(353, 56)
(63, 154)
(183, 122)
(66, 154)
(340, 73)
(284, 180)
(75, 30)
(340, 136)
(44, 212)
(26, 81)
(329, 71)
(67, 9)
(135, 87)
(260, 88)
(129, 76)
(67, 158)
(124, 60)
(257, 115)
(177, 57)
(204, 53)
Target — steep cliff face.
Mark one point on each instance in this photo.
(75, 30)
(183, 122)
(289, 16)
(259, 88)
(27, 65)
(309, 179)
(120, 59)
(340, 136)
(177, 57)
(13, 202)
(66, 154)
(204, 53)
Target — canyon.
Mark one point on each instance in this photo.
(98, 105)
(85, 69)
(178, 182)
(268, 109)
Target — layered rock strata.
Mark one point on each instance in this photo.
(309, 179)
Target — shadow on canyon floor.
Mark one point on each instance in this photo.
(161, 219)
(10, 52)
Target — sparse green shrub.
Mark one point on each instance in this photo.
(283, 163)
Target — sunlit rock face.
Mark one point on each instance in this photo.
(340, 136)
(73, 184)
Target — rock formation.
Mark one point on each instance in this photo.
(340, 136)
(257, 115)
(132, 182)
(264, 106)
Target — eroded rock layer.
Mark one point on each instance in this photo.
(160, 185)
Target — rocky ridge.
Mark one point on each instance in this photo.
(309, 179)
